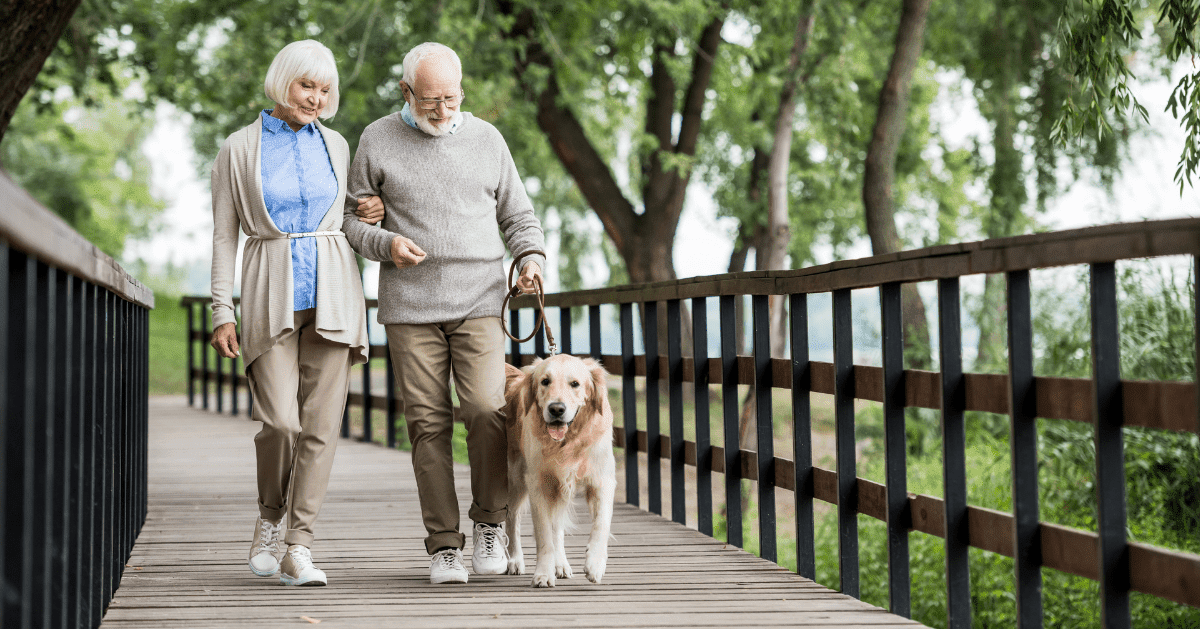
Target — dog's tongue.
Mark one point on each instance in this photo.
(558, 432)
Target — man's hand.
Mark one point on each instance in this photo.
(370, 210)
(405, 253)
(224, 340)
(526, 281)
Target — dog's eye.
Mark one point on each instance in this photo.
(574, 384)
(545, 382)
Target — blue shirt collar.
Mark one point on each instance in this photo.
(407, 116)
(275, 125)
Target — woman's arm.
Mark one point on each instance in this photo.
(225, 243)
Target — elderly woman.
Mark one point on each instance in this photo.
(282, 180)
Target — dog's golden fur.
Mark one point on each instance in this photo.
(547, 470)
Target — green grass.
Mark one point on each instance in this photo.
(168, 353)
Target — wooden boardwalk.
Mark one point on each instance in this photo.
(188, 568)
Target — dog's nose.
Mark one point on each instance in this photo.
(556, 409)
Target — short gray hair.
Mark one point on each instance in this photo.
(305, 59)
(423, 51)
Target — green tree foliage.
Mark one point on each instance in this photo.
(87, 165)
(1097, 38)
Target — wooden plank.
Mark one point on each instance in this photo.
(188, 567)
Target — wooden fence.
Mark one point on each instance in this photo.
(1105, 401)
(73, 418)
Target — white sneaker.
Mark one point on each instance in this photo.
(266, 548)
(298, 569)
(489, 549)
(446, 566)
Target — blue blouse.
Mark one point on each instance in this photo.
(299, 186)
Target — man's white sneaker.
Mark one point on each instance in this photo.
(266, 548)
(298, 569)
(489, 549)
(446, 566)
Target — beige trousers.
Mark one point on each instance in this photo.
(299, 389)
(424, 356)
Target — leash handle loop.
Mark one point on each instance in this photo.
(514, 290)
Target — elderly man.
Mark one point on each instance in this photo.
(450, 189)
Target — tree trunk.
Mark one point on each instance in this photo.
(646, 240)
(779, 232)
(29, 30)
(879, 172)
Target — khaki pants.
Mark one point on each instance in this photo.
(299, 389)
(423, 356)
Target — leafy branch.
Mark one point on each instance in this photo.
(1095, 38)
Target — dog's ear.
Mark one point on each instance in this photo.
(599, 399)
(529, 392)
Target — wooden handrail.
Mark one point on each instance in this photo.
(42, 234)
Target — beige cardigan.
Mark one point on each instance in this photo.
(267, 297)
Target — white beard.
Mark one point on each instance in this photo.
(426, 125)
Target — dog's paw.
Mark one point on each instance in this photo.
(543, 580)
(516, 566)
(593, 567)
(563, 570)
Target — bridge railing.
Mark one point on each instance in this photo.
(73, 418)
(1105, 401)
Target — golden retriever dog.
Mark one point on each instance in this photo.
(559, 439)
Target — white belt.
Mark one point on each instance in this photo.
(299, 235)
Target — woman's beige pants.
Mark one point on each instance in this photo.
(299, 388)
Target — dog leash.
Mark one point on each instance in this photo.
(514, 290)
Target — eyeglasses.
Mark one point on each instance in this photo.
(450, 103)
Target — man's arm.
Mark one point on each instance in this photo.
(514, 213)
(370, 241)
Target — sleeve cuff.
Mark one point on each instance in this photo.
(221, 316)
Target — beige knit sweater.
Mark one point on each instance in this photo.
(267, 259)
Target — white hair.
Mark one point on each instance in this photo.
(305, 59)
(423, 51)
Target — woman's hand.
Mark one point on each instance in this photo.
(370, 210)
(224, 340)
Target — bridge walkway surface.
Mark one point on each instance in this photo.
(188, 567)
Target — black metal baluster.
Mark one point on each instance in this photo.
(96, 380)
(806, 556)
(106, 453)
(9, 406)
(1027, 553)
(89, 612)
(43, 329)
(219, 379)
(847, 480)
(564, 330)
(700, 376)
(675, 410)
(763, 380)
(391, 396)
(1108, 416)
(954, 466)
(75, 456)
(61, 418)
(191, 361)
(368, 432)
(730, 421)
(346, 418)
(895, 450)
(594, 347)
(233, 384)
(539, 339)
(204, 349)
(629, 405)
(19, 376)
(653, 437)
(514, 326)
